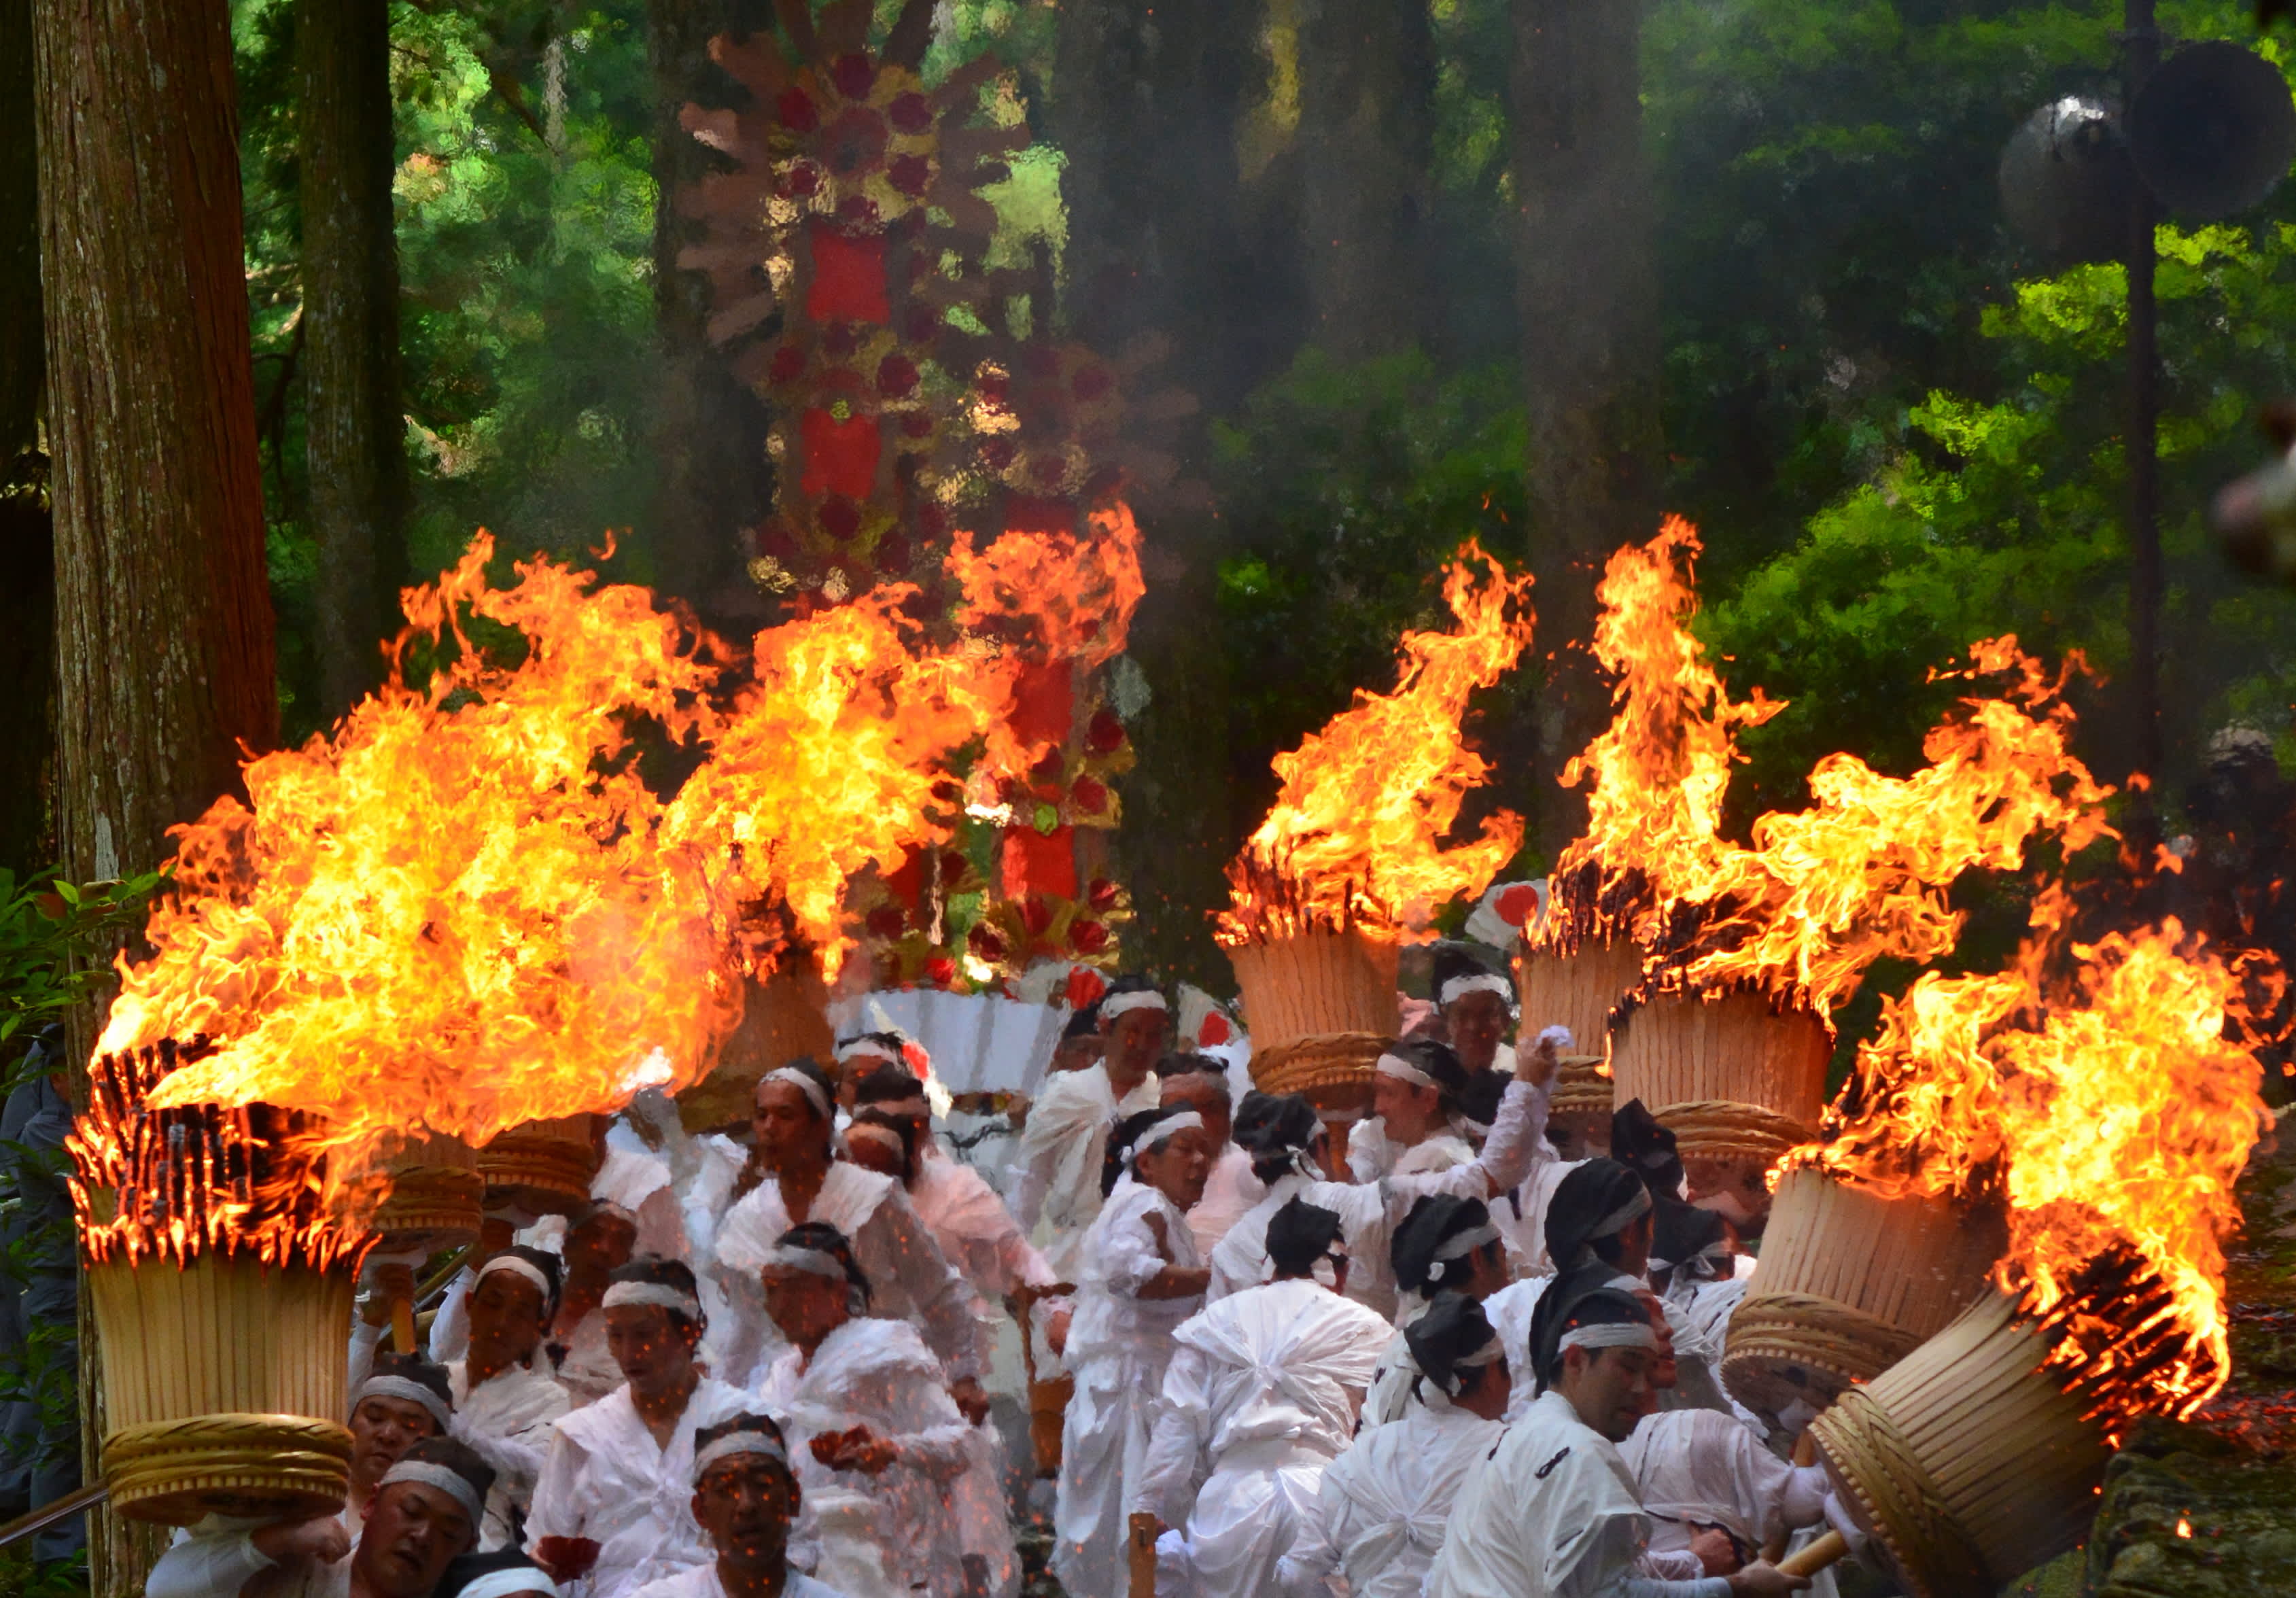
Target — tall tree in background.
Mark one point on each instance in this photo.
(163, 618)
(1589, 299)
(355, 430)
(27, 561)
(1366, 149)
(715, 480)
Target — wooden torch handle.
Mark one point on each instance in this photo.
(1143, 1551)
(402, 1325)
(1815, 1558)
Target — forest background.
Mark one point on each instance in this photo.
(1897, 432)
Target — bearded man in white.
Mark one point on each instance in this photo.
(1380, 1514)
(1263, 1389)
(1552, 1513)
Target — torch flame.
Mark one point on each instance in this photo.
(466, 909)
(1354, 837)
(1072, 597)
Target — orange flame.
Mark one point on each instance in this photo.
(466, 910)
(1354, 833)
(1656, 776)
(2112, 1114)
(1074, 595)
(1822, 892)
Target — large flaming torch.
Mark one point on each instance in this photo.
(2117, 1116)
(1350, 861)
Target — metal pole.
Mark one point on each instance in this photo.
(2140, 54)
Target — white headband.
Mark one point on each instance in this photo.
(388, 1386)
(1121, 1004)
(814, 1261)
(854, 1046)
(626, 1295)
(502, 1583)
(1609, 1334)
(804, 1084)
(1403, 1070)
(739, 1442)
(1457, 988)
(451, 1482)
(1467, 1242)
(517, 1266)
(1487, 1354)
(1632, 1210)
(872, 1130)
(1163, 1131)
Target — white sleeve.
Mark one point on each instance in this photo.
(365, 1341)
(450, 1328)
(559, 1508)
(943, 1300)
(210, 1565)
(1506, 1159)
(1183, 1420)
(1305, 1570)
(1129, 1259)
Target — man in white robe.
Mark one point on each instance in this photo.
(1199, 1082)
(1261, 1394)
(612, 1510)
(1552, 1513)
(1697, 1469)
(1445, 1243)
(746, 1499)
(1415, 1125)
(1056, 1195)
(909, 1278)
(505, 1397)
(1383, 1503)
(864, 1407)
(1143, 1277)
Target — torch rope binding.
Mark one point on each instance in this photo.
(168, 1467)
(1802, 1329)
(1581, 1090)
(1877, 1463)
(1722, 1129)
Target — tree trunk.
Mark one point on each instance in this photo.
(1367, 140)
(26, 567)
(1147, 102)
(354, 426)
(716, 482)
(1588, 298)
(164, 634)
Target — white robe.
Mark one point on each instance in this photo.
(702, 1582)
(1509, 1311)
(584, 1365)
(1119, 1345)
(909, 1280)
(214, 1557)
(1551, 1514)
(1262, 1391)
(1372, 1155)
(878, 1373)
(607, 1479)
(507, 1420)
(1369, 1212)
(1229, 1191)
(1383, 1503)
(1056, 1170)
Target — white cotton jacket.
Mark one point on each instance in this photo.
(1385, 1501)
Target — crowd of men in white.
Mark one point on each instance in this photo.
(1477, 1369)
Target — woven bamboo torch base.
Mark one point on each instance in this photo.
(1733, 1078)
(1849, 1284)
(543, 1166)
(1577, 990)
(784, 1019)
(1967, 1465)
(438, 1199)
(214, 1376)
(1319, 1006)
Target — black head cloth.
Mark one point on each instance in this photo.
(1641, 1141)
(891, 1084)
(1681, 1232)
(1480, 1104)
(1458, 971)
(1277, 1130)
(1583, 1307)
(1299, 1235)
(1599, 1199)
(1451, 1339)
(1423, 1061)
(1436, 1241)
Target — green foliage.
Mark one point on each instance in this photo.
(1343, 491)
(49, 928)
